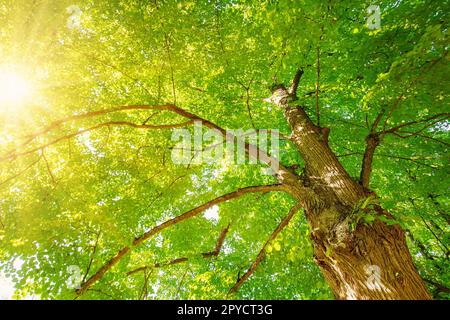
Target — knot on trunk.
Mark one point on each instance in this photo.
(280, 96)
(373, 139)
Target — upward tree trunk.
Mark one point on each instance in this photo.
(358, 260)
(370, 262)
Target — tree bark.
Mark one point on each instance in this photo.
(358, 260)
(370, 262)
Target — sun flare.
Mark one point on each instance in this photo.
(15, 89)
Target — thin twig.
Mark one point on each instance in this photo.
(318, 86)
(171, 262)
(262, 252)
(91, 259)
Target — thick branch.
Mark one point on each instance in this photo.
(373, 140)
(295, 82)
(265, 158)
(219, 244)
(262, 252)
(375, 124)
(189, 214)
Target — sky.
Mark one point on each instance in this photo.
(6, 288)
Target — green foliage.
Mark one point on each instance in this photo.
(217, 59)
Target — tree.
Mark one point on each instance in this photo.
(93, 206)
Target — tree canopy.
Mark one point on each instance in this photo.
(85, 156)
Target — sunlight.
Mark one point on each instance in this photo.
(15, 90)
(6, 287)
(212, 214)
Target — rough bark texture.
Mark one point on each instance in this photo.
(370, 262)
(323, 169)
(358, 260)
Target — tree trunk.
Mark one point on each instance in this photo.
(370, 262)
(359, 260)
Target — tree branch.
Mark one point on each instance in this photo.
(444, 248)
(49, 170)
(13, 155)
(264, 157)
(169, 56)
(374, 138)
(406, 159)
(109, 65)
(158, 265)
(155, 230)
(440, 117)
(219, 244)
(261, 253)
(413, 81)
(205, 255)
(442, 213)
(21, 172)
(318, 85)
(295, 83)
(91, 259)
(91, 114)
(417, 134)
(247, 100)
(372, 142)
(191, 213)
(438, 286)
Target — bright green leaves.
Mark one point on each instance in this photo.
(218, 60)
